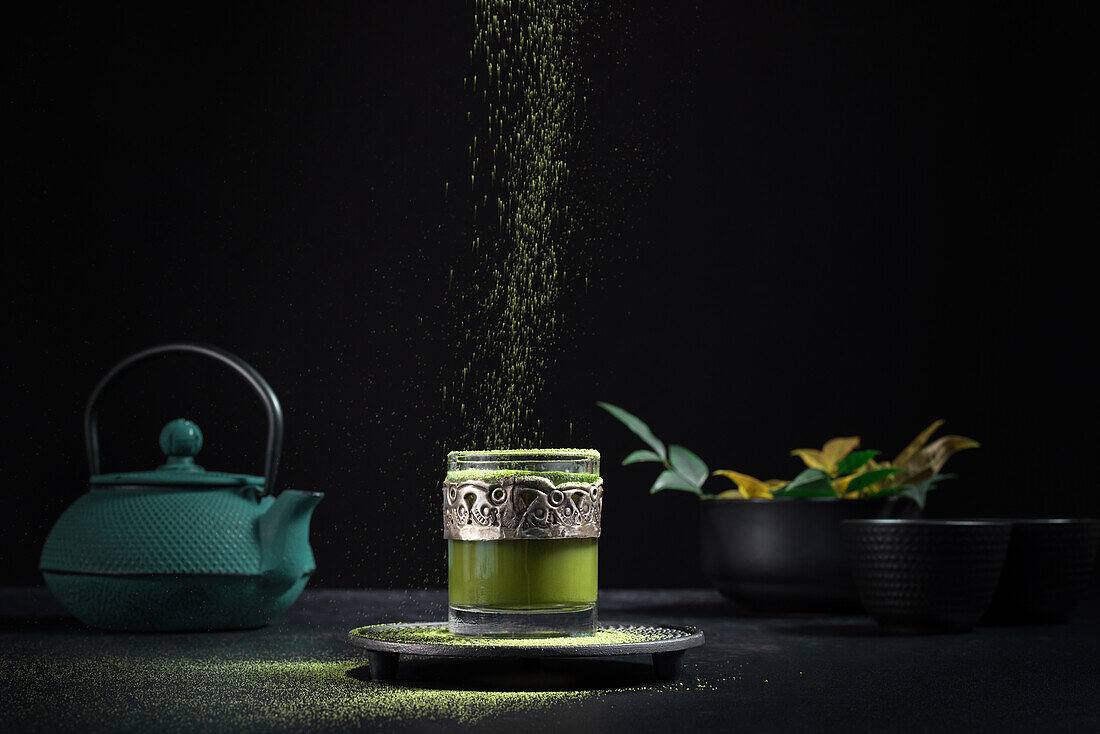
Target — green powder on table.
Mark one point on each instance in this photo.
(179, 693)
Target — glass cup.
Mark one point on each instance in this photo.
(522, 528)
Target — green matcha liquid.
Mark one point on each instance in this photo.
(522, 533)
(522, 574)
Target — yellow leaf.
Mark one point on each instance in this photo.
(874, 490)
(776, 483)
(836, 449)
(749, 487)
(917, 444)
(840, 484)
(939, 451)
(930, 460)
(730, 494)
(811, 458)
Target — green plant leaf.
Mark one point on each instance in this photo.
(641, 455)
(919, 492)
(635, 424)
(669, 479)
(855, 461)
(688, 465)
(809, 483)
(869, 478)
(914, 493)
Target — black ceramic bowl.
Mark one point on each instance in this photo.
(1047, 570)
(926, 575)
(785, 555)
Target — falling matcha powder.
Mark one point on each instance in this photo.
(522, 82)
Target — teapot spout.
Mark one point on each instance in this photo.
(284, 537)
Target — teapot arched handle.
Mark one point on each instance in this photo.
(245, 370)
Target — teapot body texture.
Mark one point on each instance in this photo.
(174, 558)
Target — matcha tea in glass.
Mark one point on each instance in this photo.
(521, 529)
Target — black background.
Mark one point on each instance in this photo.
(797, 221)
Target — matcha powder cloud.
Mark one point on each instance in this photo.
(522, 86)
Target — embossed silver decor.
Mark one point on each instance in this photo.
(521, 507)
(522, 529)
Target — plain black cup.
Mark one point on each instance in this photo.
(786, 555)
(1047, 571)
(926, 575)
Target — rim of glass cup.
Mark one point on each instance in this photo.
(564, 460)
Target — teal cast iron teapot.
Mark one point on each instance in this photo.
(179, 547)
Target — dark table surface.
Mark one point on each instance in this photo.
(795, 673)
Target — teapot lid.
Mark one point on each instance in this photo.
(180, 440)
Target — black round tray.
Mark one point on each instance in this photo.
(665, 643)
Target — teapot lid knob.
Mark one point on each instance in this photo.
(180, 440)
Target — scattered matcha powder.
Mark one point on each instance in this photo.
(174, 693)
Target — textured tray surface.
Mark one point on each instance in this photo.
(433, 638)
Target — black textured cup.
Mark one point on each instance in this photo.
(1047, 570)
(926, 575)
